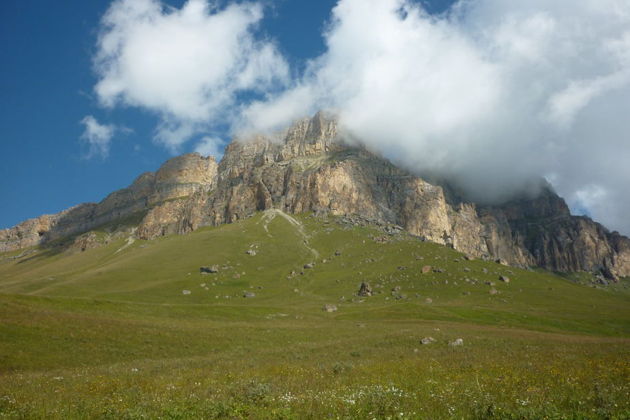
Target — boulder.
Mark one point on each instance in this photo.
(365, 290)
(427, 340)
(456, 343)
(209, 270)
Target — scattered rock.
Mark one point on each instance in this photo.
(365, 290)
(428, 300)
(209, 270)
(309, 265)
(484, 270)
(337, 253)
(426, 269)
(427, 340)
(250, 252)
(330, 308)
(249, 294)
(456, 343)
(504, 279)
(469, 258)
(493, 291)
(185, 292)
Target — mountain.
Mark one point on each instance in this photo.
(311, 168)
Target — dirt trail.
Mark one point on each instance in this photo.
(271, 214)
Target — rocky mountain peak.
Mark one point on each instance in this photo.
(307, 136)
(308, 167)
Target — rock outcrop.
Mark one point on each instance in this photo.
(310, 168)
(182, 176)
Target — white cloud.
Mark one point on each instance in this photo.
(210, 146)
(188, 65)
(97, 136)
(490, 95)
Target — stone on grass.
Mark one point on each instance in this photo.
(209, 270)
(249, 295)
(185, 292)
(504, 279)
(493, 291)
(309, 265)
(426, 269)
(250, 252)
(428, 300)
(456, 343)
(427, 340)
(365, 289)
(330, 307)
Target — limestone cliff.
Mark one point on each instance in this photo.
(310, 168)
(179, 177)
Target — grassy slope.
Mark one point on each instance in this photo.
(110, 333)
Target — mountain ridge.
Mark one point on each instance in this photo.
(312, 169)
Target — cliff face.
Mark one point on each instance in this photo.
(180, 176)
(311, 169)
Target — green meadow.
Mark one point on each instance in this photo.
(133, 330)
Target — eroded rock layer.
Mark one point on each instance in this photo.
(311, 168)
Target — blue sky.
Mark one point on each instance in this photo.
(449, 85)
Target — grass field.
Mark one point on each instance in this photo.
(134, 330)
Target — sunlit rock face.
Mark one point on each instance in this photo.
(178, 177)
(311, 167)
